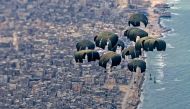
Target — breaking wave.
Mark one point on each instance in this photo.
(170, 46)
(161, 89)
(177, 80)
(175, 8)
(176, 14)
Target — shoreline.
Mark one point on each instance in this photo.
(156, 30)
(44, 66)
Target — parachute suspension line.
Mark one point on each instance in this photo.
(92, 56)
(133, 77)
(107, 45)
(133, 67)
(100, 43)
(135, 53)
(110, 42)
(79, 48)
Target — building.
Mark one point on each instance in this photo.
(83, 2)
(122, 3)
(135, 2)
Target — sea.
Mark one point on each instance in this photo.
(171, 69)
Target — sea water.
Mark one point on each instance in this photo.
(172, 67)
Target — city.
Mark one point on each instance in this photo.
(37, 42)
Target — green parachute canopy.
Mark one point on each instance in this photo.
(131, 51)
(104, 38)
(135, 20)
(115, 59)
(83, 44)
(132, 33)
(120, 43)
(150, 44)
(92, 55)
(161, 45)
(140, 43)
(132, 66)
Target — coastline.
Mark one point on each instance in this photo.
(156, 30)
(67, 35)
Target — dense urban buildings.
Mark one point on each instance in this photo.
(37, 42)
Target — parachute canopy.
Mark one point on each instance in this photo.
(92, 55)
(115, 59)
(161, 45)
(140, 43)
(132, 33)
(135, 20)
(83, 44)
(132, 66)
(120, 43)
(149, 44)
(131, 51)
(106, 38)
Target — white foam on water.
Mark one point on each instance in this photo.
(175, 8)
(172, 30)
(164, 35)
(176, 0)
(162, 64)
(169, 46)
(159, 81)
(177, 80)
(164, 55)
(159, 65)
(162, 23)
(172, 34)
(161, 89)
(176, 14)
(158, 56)
(165, 20)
